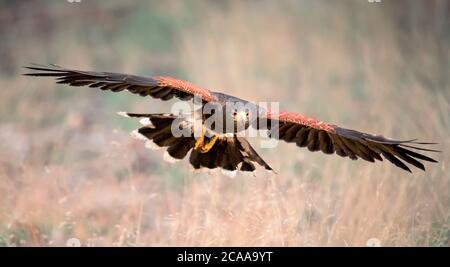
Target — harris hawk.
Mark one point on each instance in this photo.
(226, 149)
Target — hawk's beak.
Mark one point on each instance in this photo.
(241, 116)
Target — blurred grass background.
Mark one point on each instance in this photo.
(68, 168)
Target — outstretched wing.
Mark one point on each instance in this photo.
(317, 135)
(159, 87)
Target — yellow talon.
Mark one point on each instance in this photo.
(206, 147)
(200, 141)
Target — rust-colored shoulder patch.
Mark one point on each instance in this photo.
(184, 86)
(292, 117)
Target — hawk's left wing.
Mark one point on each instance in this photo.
(328, 138)
(163, 88)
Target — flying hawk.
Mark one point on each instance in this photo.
(226, 149)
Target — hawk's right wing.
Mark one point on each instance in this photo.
(319, 136)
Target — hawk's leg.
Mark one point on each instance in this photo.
(202, 146)
(206, 147)
(201, 140)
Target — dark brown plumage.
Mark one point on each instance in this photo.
(330, 139)
(233, 152)
(228, 153)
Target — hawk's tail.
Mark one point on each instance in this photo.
(228, 153)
